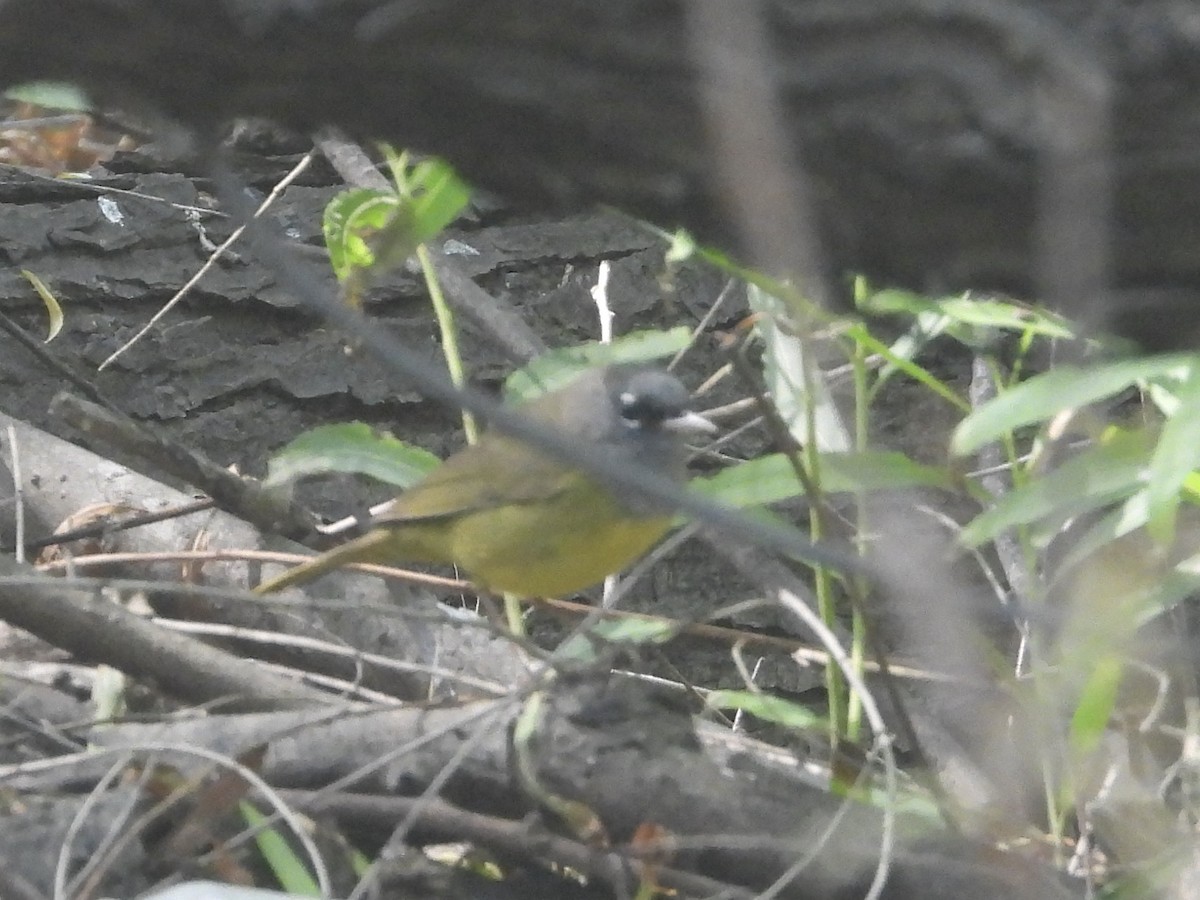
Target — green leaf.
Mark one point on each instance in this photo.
(799, 390)
(880, 470)
(632, 630)
(1067, 387)
(771, 479)
(635, 630)
(1097, 476)
(350, 219)
(557, 367)
(976, 312)
(1175, 459)
(896, 359)
(443, 196)
(350, 448)
(1017, 317)
(53, 310)
(755, 482)
(1096, 703)
(288, 868)
(767, 707)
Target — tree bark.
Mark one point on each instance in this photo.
(1047, 149)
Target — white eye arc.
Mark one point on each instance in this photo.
(627, 400)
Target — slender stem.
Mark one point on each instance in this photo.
(449, 333)
(858, 623)
(514, 615)
(835, 684)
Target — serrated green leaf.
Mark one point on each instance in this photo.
(559, 367)
(767, 707)
(1097, 476)
(1067, 387)
(53, 310)
(350, 219)
(350, 448)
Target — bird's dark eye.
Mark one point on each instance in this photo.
(643, 409)
(633, 409)
(649, 398)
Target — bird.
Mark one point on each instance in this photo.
(522, 523)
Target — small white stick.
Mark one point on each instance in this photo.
(600, 295)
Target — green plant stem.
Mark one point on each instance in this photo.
(514, 615)
(1049, 748)
(835, 684)
(449, 333)
(858, 624)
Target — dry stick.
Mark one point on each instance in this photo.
(244, 497)
(508, 835)
(92, 627)
(316, 645)
(703, 324)
(14, 452)
(450, 586)
(728, 635)
(97, 861)
(109, 525)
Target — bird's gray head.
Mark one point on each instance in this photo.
(653, 401)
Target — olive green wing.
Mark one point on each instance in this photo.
(498, 471)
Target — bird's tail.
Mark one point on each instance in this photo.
(371, 547)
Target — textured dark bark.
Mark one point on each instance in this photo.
(1044, 148)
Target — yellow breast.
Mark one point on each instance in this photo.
(549, 549)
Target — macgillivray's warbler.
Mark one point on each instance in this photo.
(523, 523)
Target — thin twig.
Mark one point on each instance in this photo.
(213, 257)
